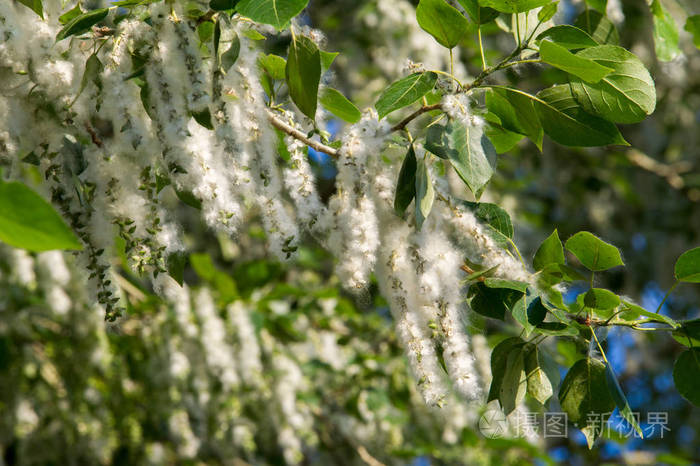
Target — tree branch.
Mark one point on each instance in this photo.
(402, 124)
(296, 134)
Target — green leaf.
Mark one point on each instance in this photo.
(565, 121)
(336, 103)
(516, 113)
(502, 139)
(222, 5)
(327, 59)
(508, 382)
(584, 391)
(551, 274)
(175, 264)
(303, 72)
(560, 57)
(692, 25)
(508, 284)
(538, 384)
(685, 375)
(404, 92)
(493, 216)
(203, 118)
(598, 27)
(550, 251)
(93, 68)
(633, 312)
(277, 13)
(273, 65)
(687, 267)
(442, 21)
(626, 95)
(594, 253)
(555, 329)
(478, 14)
(27, 221)
(665, 33)
(600, 5)
(68, 16)
(601, 300)
(514, 6)
(469, 151)
(491, 302)
(688, 333)
(529, 312)
(252, 34)
(205, 31)
(34, 5)
(425, 194)
(82, 23)
(620, 399)
(229, 57)
(406, 185)
(547, 12)
(568, 36)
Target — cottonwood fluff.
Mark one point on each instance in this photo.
(438, 264)
(357, 237)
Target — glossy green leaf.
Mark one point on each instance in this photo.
(229, 57)
(602, 301)
(547, 12)
(273, 65)
(539, 386)
(491, 302)
(565, 121)
(493, 216)
(468, 149)
(336, 103)
(692, 25)
(68, 16)
(594, 253)
(688, 333)
(598, 27)
(405, 92)
(425, 193)
(626, 95)
(203, 118)
(442, 21)
(406, 185)
(584, 391)
(502, 139)
(514, 6)
(550, 251)
(687, 267)
(621, 400)
(529, 312)
(685, 375)
(666, 36)
(560, 57)
(277, 13)
(82, 23)
(516, 113)
(508, 384)
(35, 5)
(303, 72)
(492, 282)
(634, 312)
(327, 58)
(27, 221)
(478, 14)
(93, 68)
(568, 36)
(175, 263)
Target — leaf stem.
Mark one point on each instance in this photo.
(295, 133)
(481, 49)
(658, 309)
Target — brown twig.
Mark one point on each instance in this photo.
(426, 108)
